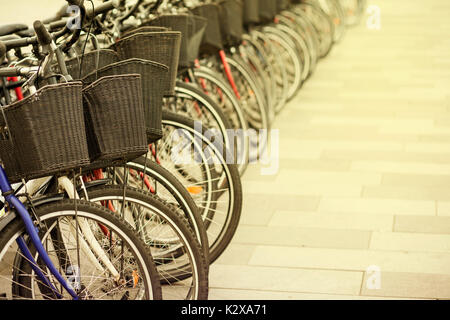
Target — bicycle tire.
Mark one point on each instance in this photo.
(177, 242)
(22, 274)
(228, 223)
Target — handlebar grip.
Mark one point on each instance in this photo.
(57, 25)
(10, 72)
(75, 2)
(2, 51)
(102, 8)
(42, 34)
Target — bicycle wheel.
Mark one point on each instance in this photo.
(254, 59)
(290, 58)
(216, 87)
(301, 48)
(334, 10)
(144, 174)
(274, 55)
(195, 104)
(252, 99)
(353, 10)
(122, 267)
(321, 22)
(178, 256)
(201, 165)
(307, 33)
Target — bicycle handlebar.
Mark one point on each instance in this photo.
(24, 42)
(44, 38)
(56, 25)
(14, 72)
(2, 51)
(102, 8)
(75, 2)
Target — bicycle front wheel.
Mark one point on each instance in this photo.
(96, 252)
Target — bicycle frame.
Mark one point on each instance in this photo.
(32, 231)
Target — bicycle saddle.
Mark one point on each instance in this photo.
(12, 28)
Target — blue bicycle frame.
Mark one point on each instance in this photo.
(32, 231)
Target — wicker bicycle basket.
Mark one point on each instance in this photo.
(89, 62)
(115, 128)
(162, 47)
(212, 38)
(192, 29)
(143, 29)
(153, 82)
(267, 10)
(47, 133)
(232, 21)
(251, 11)
(283, 5)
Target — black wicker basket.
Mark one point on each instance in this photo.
(115, 128)
(212, 38)
(267, 10)
(283, 5)
(143, 29)
(153, 81)
(47, 133)
(162, 47)
(251, 12)
(192, 28)
(91, 61)
(232, 21)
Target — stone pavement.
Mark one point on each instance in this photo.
(364, 182)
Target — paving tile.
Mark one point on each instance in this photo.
(299, 189)
(314, 165)
(327, 177)
(416, 180)
(285, 279)
(256, 295)
(443, 208)
(332, 221)
(407, 192)
(351, 259)
(236, 254)
(377, 206)
(410, 285)
(259, 208)
(400, 167)
(415, 242)
(388, 156)
(303, 237)
(421, 224)
(428, 147)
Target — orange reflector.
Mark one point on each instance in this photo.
(135, 278)
(337, 21)
(194, 189)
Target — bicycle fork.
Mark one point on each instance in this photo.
(31, 229)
